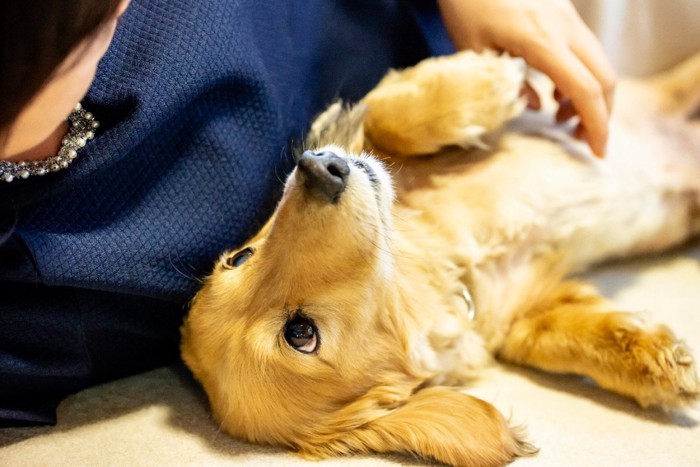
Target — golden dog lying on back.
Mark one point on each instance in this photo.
(339, 327)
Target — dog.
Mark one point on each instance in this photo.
(429, 229)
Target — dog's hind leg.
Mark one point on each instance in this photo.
(573, 331)
(443, 101)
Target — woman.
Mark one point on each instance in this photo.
(197, 102)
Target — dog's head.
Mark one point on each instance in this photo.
(300, 337)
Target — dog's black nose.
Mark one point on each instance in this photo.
(324, 173)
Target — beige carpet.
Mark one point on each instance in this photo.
(160, 418)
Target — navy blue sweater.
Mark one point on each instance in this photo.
(199, 101)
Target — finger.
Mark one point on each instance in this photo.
(531, 96)
(574, 80)
(589, 50)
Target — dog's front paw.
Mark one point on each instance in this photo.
(675, 382)
(443, 101)
(570, 332)
(652, 366)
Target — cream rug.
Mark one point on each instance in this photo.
(161, 418)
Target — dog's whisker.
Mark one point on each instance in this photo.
(191, 277)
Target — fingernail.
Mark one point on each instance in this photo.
(599, 153)
(598, 149)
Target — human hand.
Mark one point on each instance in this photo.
(551, 37)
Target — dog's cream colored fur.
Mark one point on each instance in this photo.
(383, 272)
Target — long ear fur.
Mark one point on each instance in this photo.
(437, 423)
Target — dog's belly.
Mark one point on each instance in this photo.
(534, 208)
(530, 193)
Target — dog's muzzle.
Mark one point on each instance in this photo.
(324, 173)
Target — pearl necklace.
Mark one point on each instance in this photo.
(82, 126)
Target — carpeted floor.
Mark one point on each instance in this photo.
(161, 418)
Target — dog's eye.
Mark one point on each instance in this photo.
(239, 258)
(301, 334)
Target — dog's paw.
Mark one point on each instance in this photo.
(443, 101)
(674, 380)
(653, 367)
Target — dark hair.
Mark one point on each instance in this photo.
(35, 37)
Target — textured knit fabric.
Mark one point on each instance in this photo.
(199, 101)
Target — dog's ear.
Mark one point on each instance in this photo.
(437, 423)
(339, 125)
